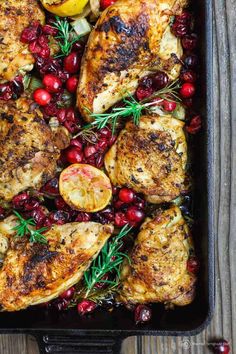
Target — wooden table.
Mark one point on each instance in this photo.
(224, 322)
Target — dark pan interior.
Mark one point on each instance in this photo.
(181, 321)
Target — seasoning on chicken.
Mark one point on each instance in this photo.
(34, 273)
(130, 40)
(29, 148)
(150, 158)
(158, 269)
(14, 17)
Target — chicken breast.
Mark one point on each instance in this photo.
(150, 159)
(130, 40)
(14, 17)
(34, 273)
(158, 270)
(29, 148)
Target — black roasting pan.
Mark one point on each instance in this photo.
(103, 332)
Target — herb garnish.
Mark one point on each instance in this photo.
(133, 108)
(22, 229)
(108, 260)
(65, 36)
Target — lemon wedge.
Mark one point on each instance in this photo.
(64, 7)
(85, 188)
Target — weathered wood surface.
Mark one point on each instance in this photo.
(224, 322)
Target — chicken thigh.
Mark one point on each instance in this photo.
(130, 40)
(14, 17)
(150, 158)
(158, 269)
(29, 148)
(34, 273)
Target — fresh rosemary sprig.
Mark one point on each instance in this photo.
(133, 108)
(108, 260)
(88, 134)
(65, 36)
(22, 229)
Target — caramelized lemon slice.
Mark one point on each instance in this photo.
(64, 7)
(85, 188)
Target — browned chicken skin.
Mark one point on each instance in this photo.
(15, 15)
(158, 270)
(29, 148)
(35, 273)
(150, 158)
(124, 46)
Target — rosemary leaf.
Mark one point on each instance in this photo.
(65, 36)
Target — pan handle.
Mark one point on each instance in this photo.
(79, 344)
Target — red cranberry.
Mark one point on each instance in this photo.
(61, 115)
(120, 219)
(30, 33)
(78, 47)
(50, 110)
(99, 161)
(49, 30)
(43, 41)
(2, 213)
(68, 294)
(73, 155)
(72, 127)
(193, 265)
(134, 214)
(51, 187)
(19, 200)
(139, 202)
(142, 93)
(187, 90)
(126, 195)
(106, 3)
(72, 63)
(188, 102)
(46, 222)
(105, 133)
(142, 314)
(38, 214)
(195, 125)
(222, 347)
(169, 106)
(71, 84)
(44, 52)
(6, 92)
(60, 203)
(102, 285)
(59, 217)
(85, 307)
(188, 76)
(52, 83)
(179, 29)
(61, 304)
(114, 190)
(31, 204)
(83, 217)
(160, 80)
(90, 150)
(185, 18)
(102, 144)
(76, 142)
(189, 41)
(42, 97)
(191, 61)
(112, 140)
(118, 204)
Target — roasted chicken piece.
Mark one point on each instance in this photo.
(29, 148)
(130, 40)
(34, 273)
(14, 17)
(158, 269)
(150, 158)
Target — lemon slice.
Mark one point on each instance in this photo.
(64, 7)
(85, 188)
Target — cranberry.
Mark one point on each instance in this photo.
(106, 3)
(169, 106)
(101, 284)
(52, 83)
(78, 47)
(120, 219)
(72, 127)
(2, 213)
(72, 63)
(222, 347)
(139, 202)
(71, 84)
(42, 97)
(73, 155)
(49, 30)
(30, 33)
(160, 80)
(76, 142)
(102, 145)
(134, 214)
(51, 187)
(114, 190)
(38, 214)
(189, 41)
(68, 294)
(83, 217)
(31, 204)
(195, 125)
(191, 61)
(142, 314)
(188, 102)
(142, 93)
(46, 222)
(59, 217)
(126, 195)
(85, 307)
(90, 150)
(6, 92)
(60, 203)
(187, 90)
(61, 304)
(105, 133)
(193, 265)
(188, 76)
(50, 110)
(112, 140)
(108, 213)
(19, 200)
(185, 18)
(120, 205)
(61, 115)
(179, 29)
(99, 161)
